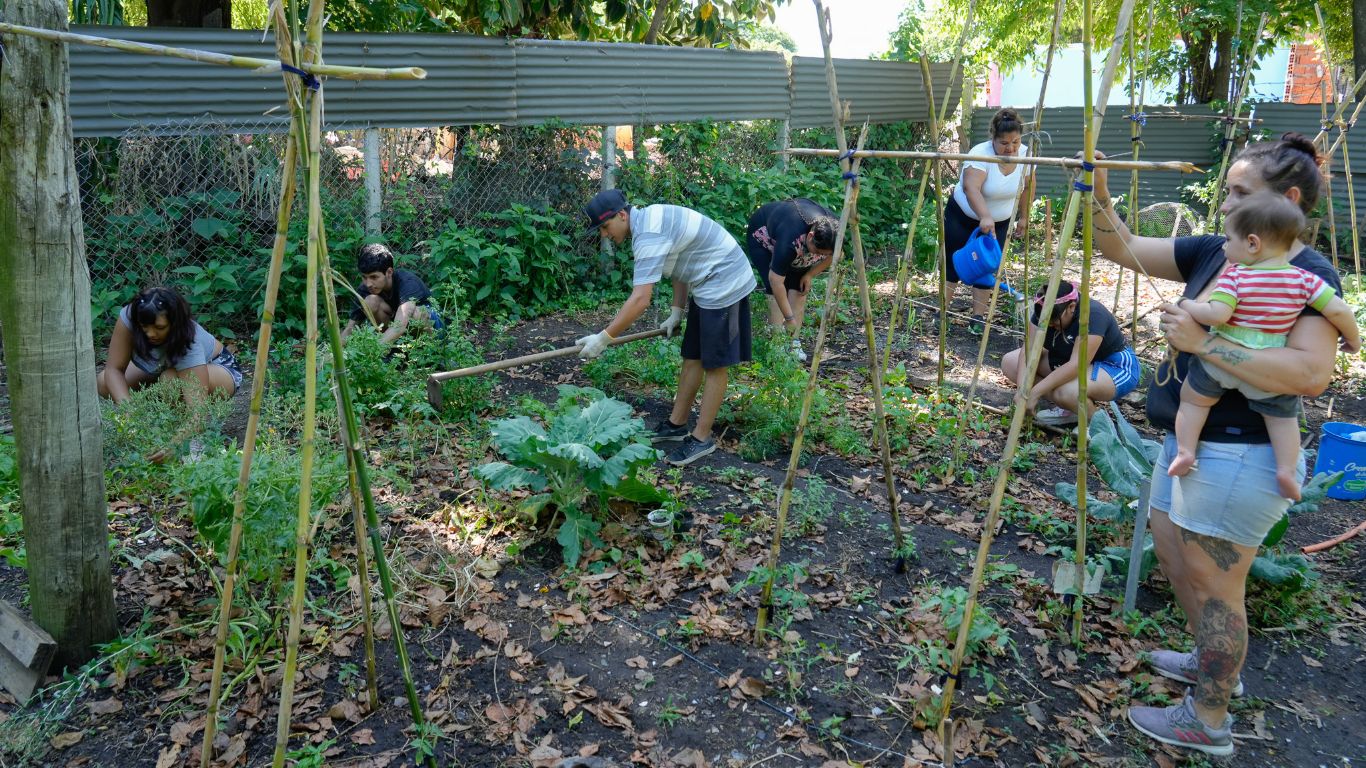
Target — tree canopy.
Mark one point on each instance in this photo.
(1194, 42)
(682, 22)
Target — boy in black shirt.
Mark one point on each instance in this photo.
(395, 296)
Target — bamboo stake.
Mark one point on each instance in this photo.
(1190, 118)
(961, 431)
(358, 528)
(1235, 107)
(903, 267)
(875, 378)
(258, 382)
(1341, 110)
(1057, 162)
(356, 458)
(1351, 206)
(851, 190)
(1084, 325)
(1034, 351)
(1328, 185)
(260, 66)
(311, 52)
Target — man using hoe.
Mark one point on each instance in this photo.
(711, 276)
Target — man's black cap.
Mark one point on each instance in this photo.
(602, 207)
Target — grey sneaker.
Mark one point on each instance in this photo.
(1182, 667)
(691, 450)
(1055, 417)
(797, 351)
(668, 432)
(1178, 725)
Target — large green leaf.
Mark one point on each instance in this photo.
(1147, 449)
(579, 454)
(1277, 532)
(513, 437)
(531, 506)
(640, 492)
(617, 467)
(1118, 558)
(1314, 492)
(1290, 572)
(609, 421)
(502, 476)
(578, 529)
(1095, 508)
(1117, 466)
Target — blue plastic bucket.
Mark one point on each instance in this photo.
(1338, 452)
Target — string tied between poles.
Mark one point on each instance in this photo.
(307, 78)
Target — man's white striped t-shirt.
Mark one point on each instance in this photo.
(680, 243)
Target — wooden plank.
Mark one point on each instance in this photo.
(28, 644)
(18, 679)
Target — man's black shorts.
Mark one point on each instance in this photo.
(719, 338)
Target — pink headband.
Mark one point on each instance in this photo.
(1073, 296)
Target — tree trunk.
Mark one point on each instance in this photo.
(656, 21)
(49, 352)
(189, 13)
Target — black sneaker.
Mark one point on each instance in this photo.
(976, 325)
(691, 450)
(668, 432)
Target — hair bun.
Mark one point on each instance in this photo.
(1299, 141)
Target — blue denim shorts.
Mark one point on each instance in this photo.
(1231, 494)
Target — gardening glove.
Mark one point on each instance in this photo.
(671, 325)
(594, 345)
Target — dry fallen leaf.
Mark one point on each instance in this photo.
(1311, 661)
(68, 739)
(363, 737)
(105, 707)
(169, 756)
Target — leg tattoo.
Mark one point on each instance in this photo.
(1222, 637)
(1221, 552)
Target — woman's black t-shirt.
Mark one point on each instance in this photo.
(1102, 323)
(1200, 260)
(785, 224)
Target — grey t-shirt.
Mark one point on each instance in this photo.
(680, 243)
(200, 351)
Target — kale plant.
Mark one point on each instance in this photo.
(586, 454)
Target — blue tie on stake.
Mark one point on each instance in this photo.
(977, 261)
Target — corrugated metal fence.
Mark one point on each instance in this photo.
(479, 81)
(1195, 141)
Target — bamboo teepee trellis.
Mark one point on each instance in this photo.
(305, 103)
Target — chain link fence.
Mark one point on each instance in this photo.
(193, 204)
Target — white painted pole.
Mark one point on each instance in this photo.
(373, 194)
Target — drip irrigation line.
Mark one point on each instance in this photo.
(790, 716)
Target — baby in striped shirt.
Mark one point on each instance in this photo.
(1255, 303)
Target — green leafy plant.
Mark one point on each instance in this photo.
(588, 452)
(11, 521)
(272, 503)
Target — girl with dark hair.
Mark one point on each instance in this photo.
(156, 337)
(984, 199)
(1208, 524)
(1114, 369)
(790, 242)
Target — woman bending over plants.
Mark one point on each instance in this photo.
(156, 338)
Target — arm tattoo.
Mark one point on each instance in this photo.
(1232, 355)
(1221, 552)
(1221, 634)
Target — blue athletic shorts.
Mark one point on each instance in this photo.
(1231, 494)
(1124, 370)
